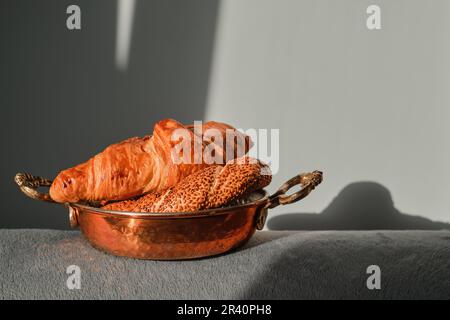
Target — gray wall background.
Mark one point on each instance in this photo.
(62, 98)
(369, 108)
(360, 105)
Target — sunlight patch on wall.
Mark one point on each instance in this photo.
(125, 17)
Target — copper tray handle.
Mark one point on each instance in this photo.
(29, 184)
(308, 182)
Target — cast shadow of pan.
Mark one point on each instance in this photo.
(359, 206)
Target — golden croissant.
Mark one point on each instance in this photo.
(212, 187)
(141, 165)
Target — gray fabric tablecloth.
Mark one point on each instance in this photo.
(273, 265)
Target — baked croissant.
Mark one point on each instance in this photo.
(212, 187)
(142, 164)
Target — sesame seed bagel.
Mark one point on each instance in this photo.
(213, 187)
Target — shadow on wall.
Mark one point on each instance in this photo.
(359, 206)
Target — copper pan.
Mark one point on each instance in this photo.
(173, 236)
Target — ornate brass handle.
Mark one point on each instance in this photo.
(308, 182)
(29, 185)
